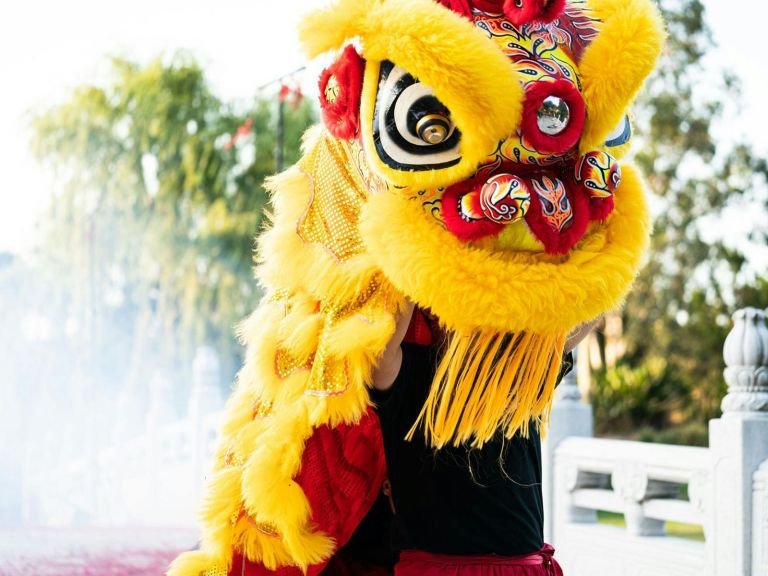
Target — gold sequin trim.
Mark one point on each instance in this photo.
(334, 312)
(329, 376)
(233, 520)
(261, 409)
(266, 528)
(286, 364)
(278, 295)
(337, 193)
(232, 459)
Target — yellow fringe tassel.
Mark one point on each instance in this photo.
(486, 381)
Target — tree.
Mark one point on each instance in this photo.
(152, 233)
(677, 317)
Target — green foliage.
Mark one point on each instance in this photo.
(153, 231)
(689, 434)
(677, 317)
(625, 397)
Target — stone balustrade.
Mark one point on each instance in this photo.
(723, 488)
(156, 477)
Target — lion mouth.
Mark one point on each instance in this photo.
(556, 202)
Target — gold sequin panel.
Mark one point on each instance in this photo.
(337, 194)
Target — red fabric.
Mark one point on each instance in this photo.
(559, 241)
(535, 94)
(418, 563)
(600, 208)
(342, 116)
(343, 565)
(489, 6)
(419, 331)
(342, 471)
(467, 230)
(461, 7)
(522, 12)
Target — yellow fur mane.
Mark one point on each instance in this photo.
(341, 255)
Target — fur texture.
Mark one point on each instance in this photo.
(535, 95)
(341, 110)
(255, 503)
(539, 293)
(522, 12)
(337, 260)
(617, 62)
(443, 50)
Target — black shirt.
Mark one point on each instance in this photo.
(457, 500)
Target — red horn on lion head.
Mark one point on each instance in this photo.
(518, 12)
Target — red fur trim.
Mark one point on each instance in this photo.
(461, 7)
(342, 116)
(600, 208)
(535, 94)
(522, 12)
(489, 6)
(342, 471)
(419, 332)
(458, 226)
(559, 241)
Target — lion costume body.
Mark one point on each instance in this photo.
(469, 162)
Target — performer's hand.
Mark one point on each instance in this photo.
(580, 332)
(388, 367)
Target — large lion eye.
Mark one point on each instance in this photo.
(412, 129)
(434, 128)
(621, 134)
(553, 115)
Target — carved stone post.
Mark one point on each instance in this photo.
(161, 412)
(631, 483)
(205, 398)
(760, 522)
(570, 417)
(739, 444)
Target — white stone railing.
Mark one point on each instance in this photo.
(153, 476)
(723, 488)
(157, 476)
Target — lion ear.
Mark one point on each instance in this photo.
(341, 85)
(331, 27)
(617, 62)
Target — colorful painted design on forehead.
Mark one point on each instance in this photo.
(574, 28)
(542, 49)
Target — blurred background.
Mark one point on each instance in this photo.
(134, 140)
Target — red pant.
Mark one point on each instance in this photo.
(417, 563)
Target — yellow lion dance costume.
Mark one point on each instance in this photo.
(470, 163)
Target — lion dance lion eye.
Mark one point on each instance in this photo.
(553, 115)
(412, 129)
(434, 128)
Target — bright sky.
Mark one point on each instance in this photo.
(49, 47)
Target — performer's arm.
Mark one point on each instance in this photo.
(386, 371)
(579, 333)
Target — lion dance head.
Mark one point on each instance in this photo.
(470, 160)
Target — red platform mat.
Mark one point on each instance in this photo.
(124, 551)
